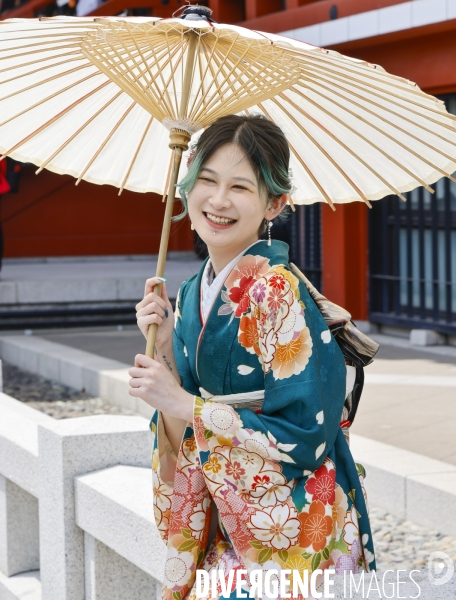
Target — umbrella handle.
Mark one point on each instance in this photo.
(177, 157)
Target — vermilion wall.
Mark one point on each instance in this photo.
(50, 216)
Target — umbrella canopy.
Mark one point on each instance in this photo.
(95, 98)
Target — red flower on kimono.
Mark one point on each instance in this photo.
(278, 282)
(235, 470)
(275, 299)
(260, 480)
(239, 295)
(322, 486)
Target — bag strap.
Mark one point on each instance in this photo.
(356, 346)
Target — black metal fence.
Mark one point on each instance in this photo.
(412, 248)
(305, 241)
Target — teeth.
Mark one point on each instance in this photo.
(221, 220)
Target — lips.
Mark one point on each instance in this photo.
(219, 222)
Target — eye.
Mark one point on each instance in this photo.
(239, 187)
(206, 179)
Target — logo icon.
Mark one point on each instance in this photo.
(440, 568)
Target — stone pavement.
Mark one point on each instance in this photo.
(409, 398)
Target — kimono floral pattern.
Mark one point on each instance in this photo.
(260, 522)
(267, 519)
(272, 323)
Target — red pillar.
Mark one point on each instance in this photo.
(345, 257)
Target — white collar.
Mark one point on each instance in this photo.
(209, 291)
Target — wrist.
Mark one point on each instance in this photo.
(187, 406)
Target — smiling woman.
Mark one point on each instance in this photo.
(251, 465)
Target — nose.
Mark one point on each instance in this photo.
(219, 198)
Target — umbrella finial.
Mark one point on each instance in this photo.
(196, 12)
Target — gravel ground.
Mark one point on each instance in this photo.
(55, 399)
(398, 543)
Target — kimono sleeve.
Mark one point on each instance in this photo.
(164, 459)
(304, 377)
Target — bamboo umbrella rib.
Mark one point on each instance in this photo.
(52, 120)
(16, 77)
(42, 82)
(164, 87)
(365, 69)
(360, 135)
(141, 54)
(28, 52)
(222, 91)
(41, 61)
(135, 155)
(390, 80)
(245, 90)
(65, 89)
(223, 88)
(360, 193)
(214, 83)
(122, 62)
(76, 133)
(374, 103)
(202, 100)
(215, 74)
(372, 170)
(389, 97)
(173, 68)
(382, 131)
(229, 74)
(305, 167)
(111, 133)
(125, 48)
(132, 90)
(182, 48)
(385, 120)
(349, 97)
(159, 92)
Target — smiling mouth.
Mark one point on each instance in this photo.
(219, 220)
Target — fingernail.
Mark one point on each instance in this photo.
(166, 312)
(161, 278)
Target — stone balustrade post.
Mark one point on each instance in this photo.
(68, 448)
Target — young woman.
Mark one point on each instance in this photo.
(251, 467)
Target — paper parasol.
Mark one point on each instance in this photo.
(116, 101)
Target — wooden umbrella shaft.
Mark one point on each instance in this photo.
(178, 142)
(177, 157)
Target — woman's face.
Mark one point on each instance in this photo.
(226, 206)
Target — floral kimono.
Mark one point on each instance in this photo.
(266, 456)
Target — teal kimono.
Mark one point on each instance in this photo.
(276, 465)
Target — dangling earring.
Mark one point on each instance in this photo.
(192, 227)
(269, 232)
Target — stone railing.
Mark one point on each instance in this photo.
(76, 515)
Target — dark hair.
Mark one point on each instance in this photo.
(265, 147)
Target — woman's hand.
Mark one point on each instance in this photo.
(155, 384)
(156, 309)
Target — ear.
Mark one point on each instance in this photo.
(276, 206)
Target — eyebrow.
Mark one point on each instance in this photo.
(237, 178)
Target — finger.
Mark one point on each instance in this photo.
(144, 322)
(151, 298)
(141, 360)
(136, 372)
(151, 308)
(164, 295)
(152, 283)
(134, 392)
(135, 382)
